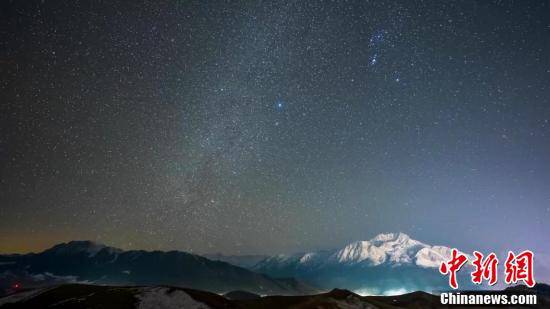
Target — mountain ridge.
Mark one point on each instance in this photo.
(94, 296)
(386, 263)
(90, 262)
(394, 248)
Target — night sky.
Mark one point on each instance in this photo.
(263, 127)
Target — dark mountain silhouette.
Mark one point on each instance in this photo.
(539, 289)
(241, 295)
(245, 261)
(85, 261)
(92, 296)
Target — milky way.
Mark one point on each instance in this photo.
(242, 127)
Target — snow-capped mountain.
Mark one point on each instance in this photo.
(394, 249)
(387, 261)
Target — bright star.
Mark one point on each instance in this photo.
(373, 59)
(279, 105)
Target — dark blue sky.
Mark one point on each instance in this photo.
(243, 127)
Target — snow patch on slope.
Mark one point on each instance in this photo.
(361, 251)
(432, 257)
(163, 298)
(308, 257)
(21, 296)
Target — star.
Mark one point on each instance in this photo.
(195, 129)
(374, 59)
(279, 105)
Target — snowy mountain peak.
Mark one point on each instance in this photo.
(397, 248)
(407, 265)
(390, 237)
(394, 239)
(432, 256)
(392, 249)
(360, 251)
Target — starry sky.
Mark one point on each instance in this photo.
(274, 126)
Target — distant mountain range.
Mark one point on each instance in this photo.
(85, 261)
(246, 261)
(390, 263)
(387, 264)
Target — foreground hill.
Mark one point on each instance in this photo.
(76, 296)
(85, 261)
